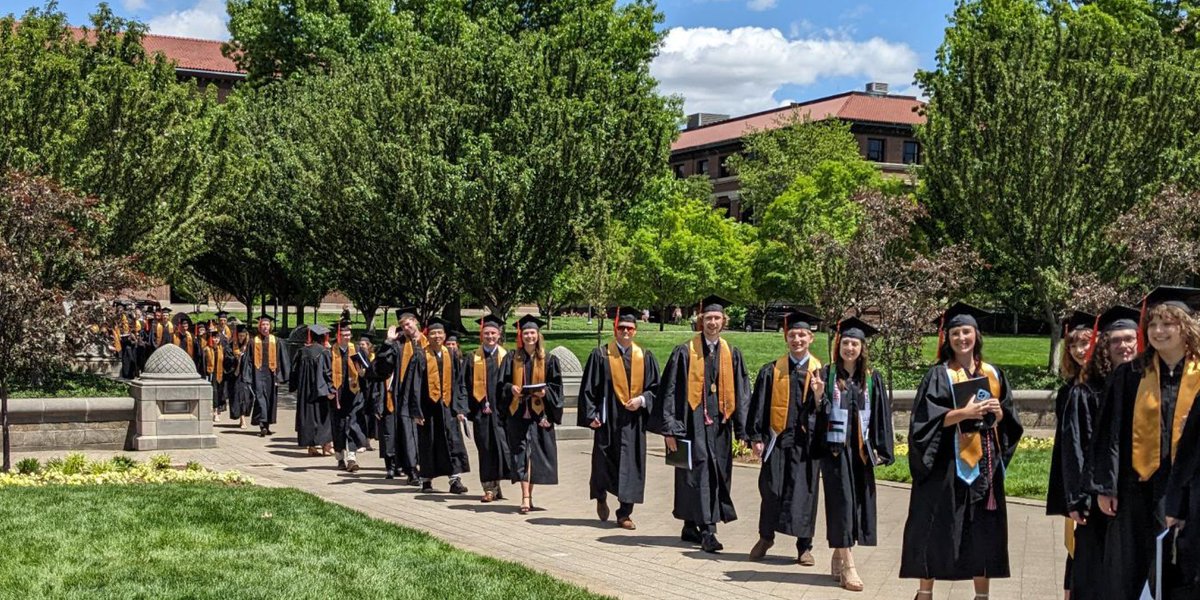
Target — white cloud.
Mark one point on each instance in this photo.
(132, 5)
(205, 20)
(738, 71)
(761, 4)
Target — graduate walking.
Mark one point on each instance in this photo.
(264, 367)
(347, 365)
(483, 382)
(312, 384)
(442, 413)
(532, 405)
(398, 439)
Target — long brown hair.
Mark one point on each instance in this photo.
(539, 352)
(861, 364)
(1068, 369)
(1189, 330)
(946, 352)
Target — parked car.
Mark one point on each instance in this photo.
(771, 319)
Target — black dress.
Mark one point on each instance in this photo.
(312, 383)
(1076, 408)
(533, 448)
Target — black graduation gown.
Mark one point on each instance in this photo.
(312, 382)
(226, 371)
(442, 452)
(619, 445)
(533, 448)
(129, 352)
(372, 394)
(241, 396)
(1129, 543)
(262, 382)
(851, 516)
(949, 533)
(345, 421)
(487, 418)
(787, 482)
(1183, 503)
(702, 494)
(398, 431)
(1076, 408)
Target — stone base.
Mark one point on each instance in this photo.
(174, 442)
(103, 435)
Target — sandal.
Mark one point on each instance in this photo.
(848, 577)
(526, 504)
(922, 593)
(835, 566)
(488, 496)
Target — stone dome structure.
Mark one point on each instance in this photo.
(170, 362)
(567, 361)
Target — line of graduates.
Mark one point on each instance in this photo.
(1126, 463)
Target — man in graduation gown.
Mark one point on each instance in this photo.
(705, 396)
(222, 326)
(264, 365)
(616, 397)
(348, 404)
(481, 383)
(219, 363)
(782, 429)
(398, 440)
(1137, 437)
(160, 332)
(312, 382)
(442, 412)
(371, 391)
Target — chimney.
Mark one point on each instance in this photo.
(877, 88)
(700, 119)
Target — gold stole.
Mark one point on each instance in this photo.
(781, 390)
(726, 397)
(337, 369)
(440, 388)
(479, 371)
(272, 362)
(190, 347)
(116, 339)
(625, 386)
(971, 452)
(1147, 416)
(518, 379)
(214, 359)
(158, 332)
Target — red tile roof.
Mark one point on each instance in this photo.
(848, 106)
(191, 54)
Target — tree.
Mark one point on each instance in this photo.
(54, 281)
(99, 115)
(683, 249)
(1045, 123)
(1159, 240)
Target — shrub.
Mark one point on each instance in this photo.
(122, 463)
(194, 466)
(74, 464)
(28, 466)
(160, 462)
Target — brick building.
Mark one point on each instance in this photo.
(199, 60)
(883, 124)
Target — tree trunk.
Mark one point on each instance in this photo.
(4, 418)
(1055, 339)
(453, 311)
(285, 315)
(763, 325)
(600, 331)
(368, 315)
(299, 314)
(662, 318)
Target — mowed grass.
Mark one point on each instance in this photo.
(1028, 474)
(215, 541)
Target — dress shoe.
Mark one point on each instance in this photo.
(710, 544)
(602, 510)
(389, 474)
(341, 465)
(427, 487)
(690, 534)
(412, 480)
(760, 548)
(626, 523)
(806, 559)
(457, 487)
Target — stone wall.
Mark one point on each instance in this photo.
(1035, 409)
(71, 423)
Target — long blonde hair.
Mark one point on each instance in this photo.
(1189, 330)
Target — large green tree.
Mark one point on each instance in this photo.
(1045, 122)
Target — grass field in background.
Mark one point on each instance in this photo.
(1027, 477)
(218, 541)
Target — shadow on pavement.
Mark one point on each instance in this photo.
(816, 579)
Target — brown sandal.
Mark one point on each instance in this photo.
(526, 504)
(488, 496)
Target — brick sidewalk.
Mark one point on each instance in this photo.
(564, 538)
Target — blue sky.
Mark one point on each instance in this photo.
(726, 56)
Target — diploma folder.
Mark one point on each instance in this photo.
(681, 458)
(974, 390)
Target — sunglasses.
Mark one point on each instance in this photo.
(626, 328)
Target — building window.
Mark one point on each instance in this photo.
(912, 153)
(679, 174)
(875, 149)
(702, 166)
(723, 168)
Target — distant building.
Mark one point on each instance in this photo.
(199, 60)
(882, 123)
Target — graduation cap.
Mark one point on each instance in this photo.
(623, 314)
(714, 303)
(529, 322)
(407, 312)
(366, 336)
(490, 321)
(855, 329)
(266, 317)
(960, 314)
(165, 309)
(181, 318)
(436, 323)
(1180, 297)
(240, 327)
(452, 336)
(317, 329)
(1118, 318)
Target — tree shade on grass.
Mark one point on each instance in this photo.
(215, 541)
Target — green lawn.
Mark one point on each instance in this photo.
(215, 541)
(1027, 476)
(69, 384)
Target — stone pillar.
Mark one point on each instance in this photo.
(173, 404)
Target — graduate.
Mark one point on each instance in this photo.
(220, 364)
(264, 365)
(616, 398)
(200, 341)
(222, 326)
(856, 424)
(398, 439)
(313, 384)
(442, 412)
(182, 336)
(1183, 507)
(241, 397)
(161, 331)
(957, 525)
(533, 404)
(704, 399)
(371, 391)
(1137, 436)
(482, 381)
(782, 428)
(126, 332)
(347, 367)
(1076, 407)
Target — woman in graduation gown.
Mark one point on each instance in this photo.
(858, 403)
(957, 525)
(312, 383)
(1138, 434)
(483, 383)
(371, 391)
(530, 417)
(241, 397)
(1076, 406)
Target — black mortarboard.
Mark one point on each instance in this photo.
(623, 314)
(798, 319)
(855, 329)
(452, 336)
(407, 312)
(960, 314)
(714, 303)
(1180, 297)
(181, 318)
(221, 313)
(318, 329)
(166, 309)
(366, 336)
(1118, 318)
(1079, 320)
(491, 320)
(435, 323)
(530, 322)
(266, 317)
(240, 327)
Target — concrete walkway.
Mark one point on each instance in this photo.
(564, 538)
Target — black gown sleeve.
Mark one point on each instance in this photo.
(325, 375)
(1009, 430)
(741, 389)
(1075, 430)
(664, 421)
(930, 406)
(593, 386)
(1106, 447)
(760, 401)
(284, 373)
(458, 398)
(293, 383)
(651, 383)
(554, 391)
(882, 431)
(504, 386)
(414, 385)
(1186, 471)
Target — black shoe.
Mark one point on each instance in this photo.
(710, 544)
(690, 534)
(412, 480)
(456, 487)
(389, 474)
(342, 465)
(427, 487)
